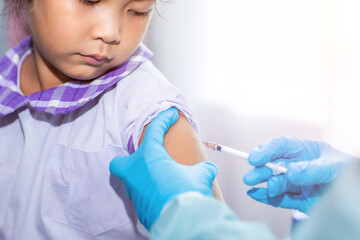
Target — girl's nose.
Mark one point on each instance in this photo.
(107, 30)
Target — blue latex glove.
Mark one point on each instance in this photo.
(152, 178)
(311, 167)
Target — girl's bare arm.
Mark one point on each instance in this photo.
(182, 148)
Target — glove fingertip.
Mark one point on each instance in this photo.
(257, 175)
(259, 194)
(175, 115)
(248, 179)
(251, 191)
(157, 129)
(211, 168)
(255, 157)
(172, 114)
(258, 157)
(117, 166)
(270, 151)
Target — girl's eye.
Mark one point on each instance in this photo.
(90, 2)
(140, 14)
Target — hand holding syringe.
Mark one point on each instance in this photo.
(277, 168)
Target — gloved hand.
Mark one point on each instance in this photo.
(152, 178)
(311, 167)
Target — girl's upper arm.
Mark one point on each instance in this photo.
(180, 145)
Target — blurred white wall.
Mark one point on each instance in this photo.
(343, 122)
(254, 70)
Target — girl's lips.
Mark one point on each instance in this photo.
(94, 60)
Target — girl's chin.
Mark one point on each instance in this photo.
(85, 77)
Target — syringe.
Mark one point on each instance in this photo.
(277, 168)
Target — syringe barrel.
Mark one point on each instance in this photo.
(277, 168)
(234, 152)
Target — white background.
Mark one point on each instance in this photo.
(254, 70)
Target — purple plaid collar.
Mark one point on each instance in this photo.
(64, 98)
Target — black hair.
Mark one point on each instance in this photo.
(15, 10)
(14, 5)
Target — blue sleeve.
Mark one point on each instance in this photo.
(337, 215)
(200, 217)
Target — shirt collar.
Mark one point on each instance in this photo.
(64, 98)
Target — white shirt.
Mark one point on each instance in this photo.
(54, 169)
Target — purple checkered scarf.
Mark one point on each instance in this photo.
(64, 98)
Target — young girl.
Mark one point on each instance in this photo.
(73, 95)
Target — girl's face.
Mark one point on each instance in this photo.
(85, 38)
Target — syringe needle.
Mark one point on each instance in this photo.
(277, 168)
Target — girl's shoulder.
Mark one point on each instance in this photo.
(145, 81)
(146, 74)
(140, 97)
